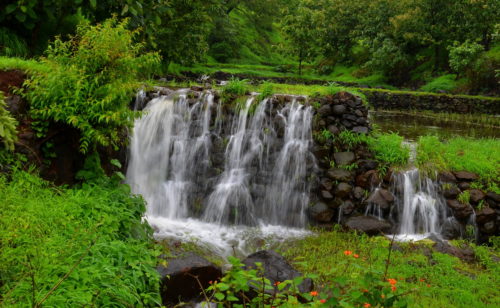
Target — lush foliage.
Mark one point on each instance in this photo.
(91, 79)
(74, 247)
(389, 149)
(427, 278)
(8, 132)
(372, 289)
(481, 156)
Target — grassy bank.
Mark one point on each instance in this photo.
(481, 156)
(84, 246)
(429, 278)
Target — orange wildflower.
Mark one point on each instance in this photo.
(428, 285)
(356, 256)
(348, 252)
(383, 296)
(393, 288)
(392, 281)
(322, 301)
(422, 279)
(277, 283)
(365, 291)
(366, 305)
(314, 293)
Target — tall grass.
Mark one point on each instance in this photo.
(77, 247)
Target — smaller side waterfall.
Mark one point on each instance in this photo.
(421, 208)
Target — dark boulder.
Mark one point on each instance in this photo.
(340, 175)
(465, 176)
(381, 197)
(339, 109)
(446, 177)
(358, 192)
(369, 225)
(476, 196)
(484, 215)
(276, 269)
(451, 229)
(451, 192)
(463, 185)
(465, 254)
(347, 208)
(178, 282)
(334, 130)
(326, 195)
(493, 196)
(460, 211)
(368, 179)
(324, 110)
(326, 184)
(344, 158)
(343, 190)
(360, 129)
(367, 164)
(321, 212)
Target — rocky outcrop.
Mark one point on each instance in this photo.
(181, 278)
(276, 268)
(369, 225)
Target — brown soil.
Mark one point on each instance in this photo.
(12, 78)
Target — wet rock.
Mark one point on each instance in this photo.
(369, 225)
(465, 254)
(340, 175)
(451, 193)
(327, 184)
(493, 196)
(276, 269)
(359, 193)
(476, 196)
(463, 185)
(461, 211)
(177, 281)
(326, 195)
(344, 158)
(324, 110)
(382, 198)
(348, 208)
(465, 176)
(368, 179)
(484, 215)
(335, 203)
(197, 88)
(343, 190)
(488, 228)
(446, 177)
(367, 164)
(451, 229)
(321, 212)
(339, 109)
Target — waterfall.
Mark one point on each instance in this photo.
(421, 208)
(212, 175)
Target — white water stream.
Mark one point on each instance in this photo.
(258, 191)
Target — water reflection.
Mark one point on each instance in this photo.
(412, 126)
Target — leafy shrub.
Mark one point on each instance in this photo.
(371, 289)
(8, 124)
(463, 55)
(91, 81)
(74, 247)
(267, 91)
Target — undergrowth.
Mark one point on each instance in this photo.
(429, 279)
(8, 131)
(480, 156)
(74, 247)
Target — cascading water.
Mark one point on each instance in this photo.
(421, 207)
(194, 188)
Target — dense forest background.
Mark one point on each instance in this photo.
(446, 44)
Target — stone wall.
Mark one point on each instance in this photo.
(380, 99)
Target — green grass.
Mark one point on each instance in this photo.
(447, 83)
(446, 281)
(31, 65)
(481, 156)
(389, 149)
(87, 244)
